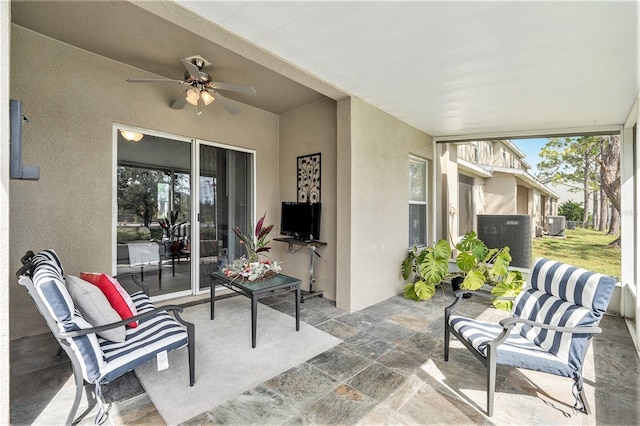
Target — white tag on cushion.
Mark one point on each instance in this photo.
(163, 360)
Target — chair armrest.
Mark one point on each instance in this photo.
(507, 323)
(153, 312)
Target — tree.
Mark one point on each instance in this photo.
(609, 162)
(137, 190)
(571, 210)
(569, 160)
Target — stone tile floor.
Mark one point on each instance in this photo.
(388, 370)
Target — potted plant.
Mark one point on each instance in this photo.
(425, 270)
(483, 266)
(251, 266)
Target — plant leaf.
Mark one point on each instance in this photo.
(473, 280)
(501, 262)
(442, 249)
(424, 290)
(433, 269)
(510, 287)
(410, 293)
(468, 241)
(466, 261)
(407, 267)
(259, 225)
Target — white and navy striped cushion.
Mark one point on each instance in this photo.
(575, 285)
(153, 335)
(48, 280)
(565, 296)
(516, 350)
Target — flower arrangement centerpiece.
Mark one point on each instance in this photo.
(254, 266)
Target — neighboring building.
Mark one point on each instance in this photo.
(491, 177)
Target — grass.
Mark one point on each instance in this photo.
(584, 248)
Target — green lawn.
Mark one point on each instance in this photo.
(585, 248)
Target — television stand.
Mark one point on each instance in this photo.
(312, 245)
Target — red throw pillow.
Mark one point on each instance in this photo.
(115, 294)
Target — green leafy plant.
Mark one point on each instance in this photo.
(257, 245)
(481, 265)
(425, 270)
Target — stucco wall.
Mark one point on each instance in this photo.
(77, 98)
(5, 12)
(379, 157)
(500, 195)
(309, 130)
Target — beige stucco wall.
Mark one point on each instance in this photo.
(378, 153)
(500, 195)
(78, 97)
(309, 130)
(5, 12)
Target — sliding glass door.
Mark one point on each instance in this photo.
(178, 201)
(225, 201)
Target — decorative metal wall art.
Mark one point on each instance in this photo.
(309, 178)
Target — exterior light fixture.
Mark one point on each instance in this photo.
(131, 136)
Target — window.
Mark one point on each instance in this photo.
(466, 209)
(417, 202)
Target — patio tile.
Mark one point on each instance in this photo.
(358, 320)
(376, 381)
(340, 363)
(368, 345)
(344, 405)
(260, 405)
(437, 406)
(392, 332)
(402, 361)
(338, 329)
(303, 384)
(410, 319)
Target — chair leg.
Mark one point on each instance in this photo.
(76, 402)
(191, 333)
(491, 379)
(581, 395)
(447, 337)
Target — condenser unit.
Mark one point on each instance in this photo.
(555, 225)
(514, 231)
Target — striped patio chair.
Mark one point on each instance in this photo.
(550, 328)
(96, 360)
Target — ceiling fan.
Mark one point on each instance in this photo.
(201, 89)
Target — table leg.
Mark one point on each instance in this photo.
(254, 319)
(298, 307)
(213, 297)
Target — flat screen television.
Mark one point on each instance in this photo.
(300, 220)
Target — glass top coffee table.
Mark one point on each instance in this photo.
(255, 290)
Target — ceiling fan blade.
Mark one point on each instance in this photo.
(194, 71)
(154, 80)
(180, 101)
(228, 104)
(233, 87)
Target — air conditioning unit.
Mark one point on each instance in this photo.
(555, 225)
(514, 231)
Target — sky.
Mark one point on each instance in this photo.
(531, 148)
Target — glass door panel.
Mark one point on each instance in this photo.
(226, 201)
(154, 214)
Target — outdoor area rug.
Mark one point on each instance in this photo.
(226, 365)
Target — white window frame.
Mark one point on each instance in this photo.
(426, 197)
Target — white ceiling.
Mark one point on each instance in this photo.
(458, 68)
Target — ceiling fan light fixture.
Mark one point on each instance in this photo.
(131, 136)
(193, 95)
(207, 97)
